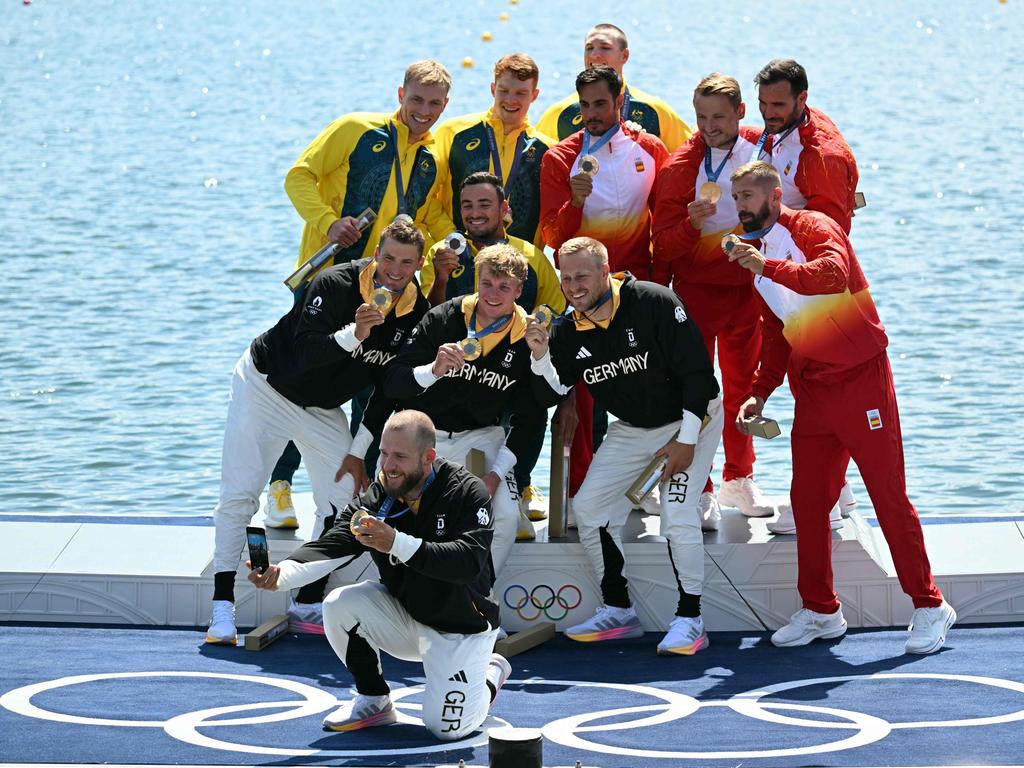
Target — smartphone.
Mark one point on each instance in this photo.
(259, 552)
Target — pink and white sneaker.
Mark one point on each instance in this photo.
(609, 623)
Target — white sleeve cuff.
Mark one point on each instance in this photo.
(404, 546)
(544, 367)
(346, 338)
(690, 430)
(503, 462)
(361, 442)
(424, 375)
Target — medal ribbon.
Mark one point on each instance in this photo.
(384, 513)
(403, 204)
(626, 103)
(759, 147)
(758, 235)
(604, 139)
(516, 158)
(713, 175)
(486, 331)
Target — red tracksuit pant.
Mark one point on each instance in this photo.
(729, 315)
(853, 416)
(582, 452)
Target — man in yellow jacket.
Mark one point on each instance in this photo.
(373, 160)
(502, 141)
(377, 160)
(446, 274)
(606, 44)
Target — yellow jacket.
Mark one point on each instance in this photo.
(462, 147)
(541, 287)
(350, 167)
(655, 115)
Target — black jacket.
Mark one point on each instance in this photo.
(447, 583)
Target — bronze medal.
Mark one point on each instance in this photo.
(589, 165)
(710, 191)
(471, 348)
(729, 242)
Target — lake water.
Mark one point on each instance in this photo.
(144, 231)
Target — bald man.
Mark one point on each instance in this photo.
(427, 524)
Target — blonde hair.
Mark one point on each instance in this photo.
(503, 261)
(579, 244)
(428, 72)
(717, 84)
(417, 423)
(763, 174)
(519, 64)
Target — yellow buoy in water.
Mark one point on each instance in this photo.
(513, 2)
(503, 16)
(467, 63)
(486, 37)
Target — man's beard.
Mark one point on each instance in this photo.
(488, 234)
(399, 488)
(758, 221)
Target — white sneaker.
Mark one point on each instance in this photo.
(536, 504)
(525, 531)
(806, 625)
(928, 627)
(685, 637)
(847, 501)
(306, 618)
(279, 512)
(498, 671)
(786, 524)
(609, 623)
(743, 494)
(222, 624)
(361, 712)
(710, 511)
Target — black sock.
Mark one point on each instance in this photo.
(689, 605)
(224, 586)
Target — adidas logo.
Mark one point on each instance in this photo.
(584, 352)
(458, 677)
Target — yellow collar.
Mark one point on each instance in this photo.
(405, 302)
(516, 329)
(499, 127)
(403, 131)
(584, 323)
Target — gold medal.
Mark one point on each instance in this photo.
(710, 191)
(729, 242)
(354, 522)
(471, 348)
(382, 299)
(589, 165)
(544, 315)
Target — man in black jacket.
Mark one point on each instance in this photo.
(644, 361)
(290, 384)
(466, 364)
(427, 524)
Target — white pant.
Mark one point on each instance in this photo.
(601, 501)
(456, 697)
(454, 446)
(260, 423)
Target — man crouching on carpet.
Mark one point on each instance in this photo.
(429, 531)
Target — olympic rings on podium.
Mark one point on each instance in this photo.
(542, 602)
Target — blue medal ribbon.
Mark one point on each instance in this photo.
(384, 513)
(589, 149)
(759, 147)
(758, 235)
(626, 104)
(485, 331)
(521, 143)
(714, 174)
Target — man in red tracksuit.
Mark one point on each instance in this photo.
(694, 211)
(818, 172)
(612, 205)
(819, 325)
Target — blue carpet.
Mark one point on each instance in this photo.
(862, 702)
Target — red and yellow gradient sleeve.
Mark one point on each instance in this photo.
(827, 175)
(559, 219)
(673, 236)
